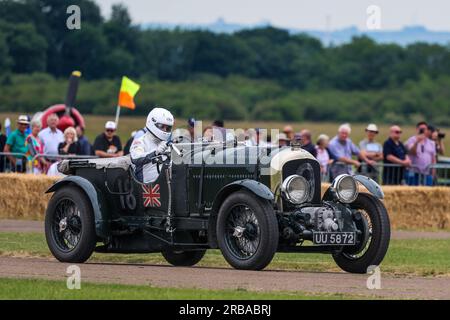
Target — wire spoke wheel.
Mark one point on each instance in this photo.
(243, 233)
(247, 231)
(70, 225)
(66, 226)
(365, 226)
(372, 220)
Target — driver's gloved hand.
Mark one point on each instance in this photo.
(161, 148)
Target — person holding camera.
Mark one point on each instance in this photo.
(437, 136)
(422, 151)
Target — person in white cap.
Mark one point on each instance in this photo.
(108, 144)
(153, 143)
(373, 149)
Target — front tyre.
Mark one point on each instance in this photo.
(69, 225)
(247, 231)
(374, 240)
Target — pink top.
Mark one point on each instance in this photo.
(425, 156)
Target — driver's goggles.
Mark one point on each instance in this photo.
(164, 127)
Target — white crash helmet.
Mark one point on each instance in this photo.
(160, 122)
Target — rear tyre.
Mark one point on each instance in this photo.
(69, 225)
(374, 239)
(183, 258)
(247, 231)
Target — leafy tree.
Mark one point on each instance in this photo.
(5, 60)
(25, 46)
(85, 50)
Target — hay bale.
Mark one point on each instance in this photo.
(23, 196)
(418, 207)
(415, 207)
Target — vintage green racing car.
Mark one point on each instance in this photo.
(248, 201)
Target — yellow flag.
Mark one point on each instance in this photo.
(127, 92)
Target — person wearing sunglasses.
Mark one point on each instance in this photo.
(108, 144)
(395, 158)
(152, 144)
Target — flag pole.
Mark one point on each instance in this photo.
(117, 116)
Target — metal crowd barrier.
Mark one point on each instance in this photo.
(7, 166)
(26, 165)
(394, 174)
(385, 174)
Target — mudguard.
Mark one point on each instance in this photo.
(91, 192)
(257, 188)
(373, 187)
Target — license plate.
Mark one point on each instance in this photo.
(334, 238)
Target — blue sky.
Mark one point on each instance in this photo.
(301, 14)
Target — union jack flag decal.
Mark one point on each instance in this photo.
(151, 196)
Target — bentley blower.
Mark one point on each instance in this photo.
(248, 202)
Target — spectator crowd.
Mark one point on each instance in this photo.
(33, 149)
(391, 162)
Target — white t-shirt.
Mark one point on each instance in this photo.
(51, 140)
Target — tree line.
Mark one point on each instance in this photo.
(304, 79)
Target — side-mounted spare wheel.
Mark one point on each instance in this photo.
(70, 225)
(247, 231)
(183, 258)
(373, 221)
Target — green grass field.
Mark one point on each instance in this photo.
(25, 289)
(95, 125)
(406, 257)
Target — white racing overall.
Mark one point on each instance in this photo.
(142, 152)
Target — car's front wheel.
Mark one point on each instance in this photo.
(373, 222)
(69, 225)
(247, 231)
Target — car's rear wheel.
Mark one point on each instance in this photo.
(374, 240)
(247, 231)
(183, 258)
(69, 225)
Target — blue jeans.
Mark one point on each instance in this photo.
(416, 179)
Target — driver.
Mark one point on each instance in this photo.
(153, 143)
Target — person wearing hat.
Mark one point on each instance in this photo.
(374, 152)
(16, 144)
(283, 140)
(107, 144)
